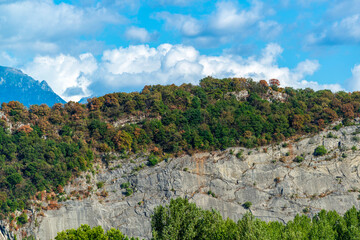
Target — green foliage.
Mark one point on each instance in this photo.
(239, 155)
(86, 232)
(211, 193)
(125, 185)
(153, 160)
(331, 135)
(22, 219)
(60, 142)
(99, 184)
(337, 127)
(129, 191)
(183, 220)
(247, 205)
(31, 163)
(298, 159)
(320, 151)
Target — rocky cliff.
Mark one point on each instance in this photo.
(280, 181)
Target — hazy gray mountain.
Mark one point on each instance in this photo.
(84, 99)
(17, 86)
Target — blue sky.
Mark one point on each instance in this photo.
(93, 47)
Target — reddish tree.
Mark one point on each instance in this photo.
(25, 129)
(263, 83)
(274, 82)
(321, 123)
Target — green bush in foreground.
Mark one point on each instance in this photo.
(86, 232)
(183, 220)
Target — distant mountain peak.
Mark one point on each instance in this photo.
(18, 86)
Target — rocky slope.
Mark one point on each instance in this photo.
(17, 86)
(268, 177)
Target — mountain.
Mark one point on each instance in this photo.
(17, 86)
(84, 100)
(223, 144)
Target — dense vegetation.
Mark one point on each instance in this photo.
(183, 220)
(84, 232)
(59, 142)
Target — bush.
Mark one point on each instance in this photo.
(22, 219)
(247, 205)
(129, 191)
(331, 135)
(100, 184)
(125, 185)
(320, 151)
(153, 160)
(298, 159)
(211, 193)
(14, 179)
(337, 127)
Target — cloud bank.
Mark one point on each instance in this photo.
(354, 82)
(41, 26)
(229, 22)
(120, 69)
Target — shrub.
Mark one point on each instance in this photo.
(211, 193)
(247, 205)
(153, 160)
(298, 159)
(14, 179)
(125, 185)
(239, 154)
(100, 184)
(129, 191)
(320, 151)
(331, 135)
(22, 219)
(337, 127)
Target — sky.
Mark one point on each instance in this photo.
(92, 47)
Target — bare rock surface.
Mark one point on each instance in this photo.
(268, 177)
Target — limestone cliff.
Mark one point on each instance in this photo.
(277, 186)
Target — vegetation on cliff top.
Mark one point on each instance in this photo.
(47, 146)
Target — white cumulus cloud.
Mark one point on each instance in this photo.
(354, 81)
(133, 67)
(68, 76)
(229, 22)
(44, 27)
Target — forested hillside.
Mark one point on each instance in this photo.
(42, 147)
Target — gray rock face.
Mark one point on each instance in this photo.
(277, 187)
